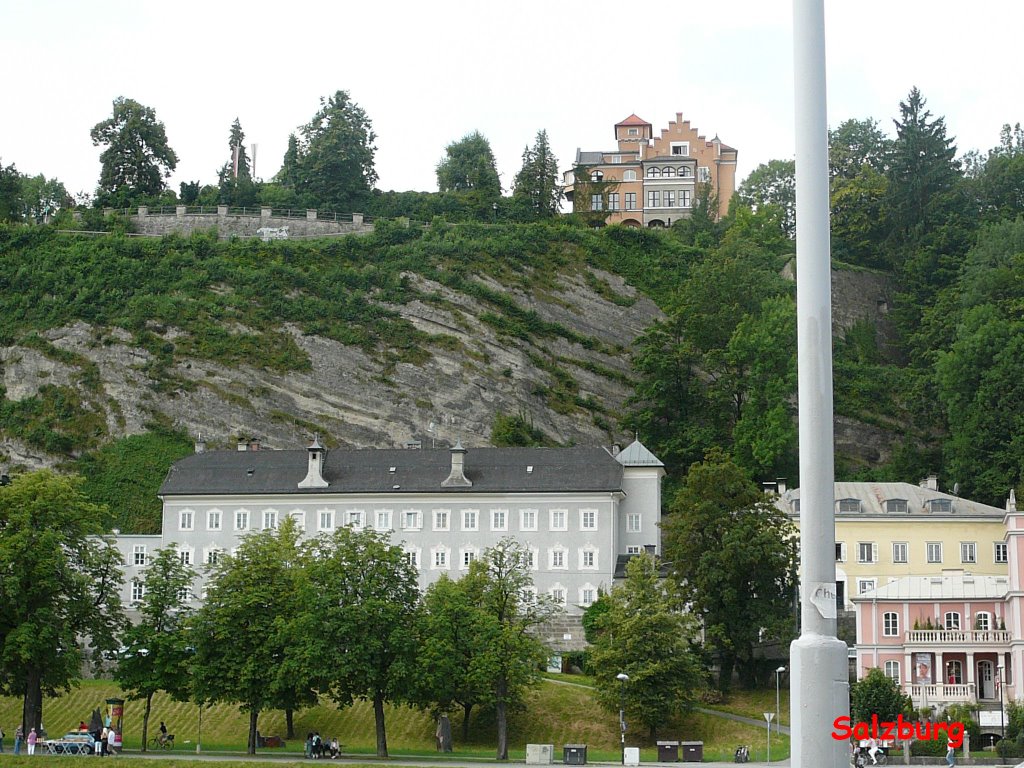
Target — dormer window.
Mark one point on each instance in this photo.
(849, 506)
(896, 505)
(940, 506)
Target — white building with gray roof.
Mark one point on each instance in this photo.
(581, 511)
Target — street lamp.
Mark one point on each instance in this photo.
(623, 678)
(778, 712)
(1002, 711)
(495, 207)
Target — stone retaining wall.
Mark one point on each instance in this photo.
(228, 225)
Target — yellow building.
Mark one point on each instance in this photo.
(652, 180)
(889, 531)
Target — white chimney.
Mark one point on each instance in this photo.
(314, 474)
(457, 477)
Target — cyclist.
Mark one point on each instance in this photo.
(163, 733)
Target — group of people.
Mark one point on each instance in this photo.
(317, 747)
(29, 741)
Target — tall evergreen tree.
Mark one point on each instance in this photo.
(536, 190)
(235, 176)
(923, 178)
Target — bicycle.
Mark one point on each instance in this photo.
(162, 743)
(863, 759)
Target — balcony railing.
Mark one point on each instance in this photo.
(941, 692)
(958, 637)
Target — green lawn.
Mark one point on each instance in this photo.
(554, 714)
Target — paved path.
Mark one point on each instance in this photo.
(409, 762)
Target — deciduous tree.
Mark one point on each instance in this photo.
(733, 556)
(155, 653)
(242, 635)
(469, 169)
(357, 628)
(646, 634)
(501, 586)
(878, 694)
(137, 160)
(59, 587)
(773, 183)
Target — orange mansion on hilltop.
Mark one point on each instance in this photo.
(651, 181)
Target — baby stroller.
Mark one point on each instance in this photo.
(742, 754)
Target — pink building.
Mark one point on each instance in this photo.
(954, 637)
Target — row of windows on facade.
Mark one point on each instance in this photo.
(703, 174)
(954, 671)
(666, 198)
(983, 622)
(410, 519)
(867, 552)
(853, 506)
(586, 595)
(440, 557)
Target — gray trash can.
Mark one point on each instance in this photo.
(668, 751)
(693, 751)
(574, 754)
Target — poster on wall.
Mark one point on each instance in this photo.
(922, 669)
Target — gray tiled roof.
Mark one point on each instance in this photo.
(491, 470)
(873, 497)
(589, 158)
(944, 587)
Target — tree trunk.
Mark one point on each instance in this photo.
(289, 720)
(726, 663)
(378, 717)
(32, 713)
(253, 717)
(145, 721)
(501, 712)
(466, 708)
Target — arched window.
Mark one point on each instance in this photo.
(629, 175)
(670, 171)
(892, 671)
(653, 173)
(686, 171)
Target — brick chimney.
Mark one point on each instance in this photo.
(315, 464)
(457, 477)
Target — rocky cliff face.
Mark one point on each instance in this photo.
(350, 397)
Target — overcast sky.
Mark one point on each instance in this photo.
(427, 73)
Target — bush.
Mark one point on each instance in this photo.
(930, 748)
(1010, 748)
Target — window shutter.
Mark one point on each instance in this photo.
(874, 553)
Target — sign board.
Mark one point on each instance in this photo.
(992, 718)
(768, 716)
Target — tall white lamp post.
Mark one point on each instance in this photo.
(778, 711)
(623, 678)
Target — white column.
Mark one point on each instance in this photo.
(820, 682)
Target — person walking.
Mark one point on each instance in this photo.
(950, 754)
(33, 737)
(2, 734)
(111, 742)
(19, 736)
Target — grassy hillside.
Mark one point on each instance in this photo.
(555, 714)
